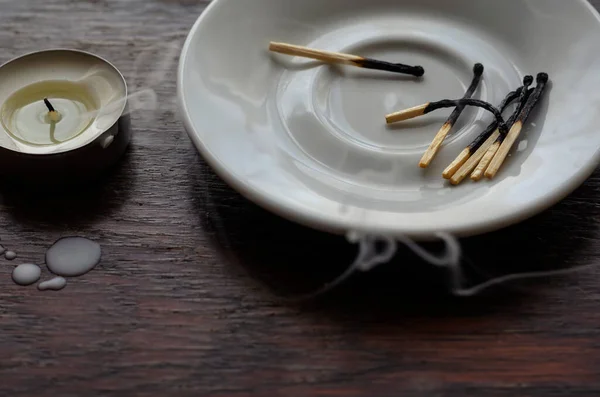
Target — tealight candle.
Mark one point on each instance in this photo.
(61, 111)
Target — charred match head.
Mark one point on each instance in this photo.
(369, 63)
(534, 97)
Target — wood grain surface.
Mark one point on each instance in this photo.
(188, 299)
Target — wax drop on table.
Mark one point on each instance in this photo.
(26, 274)
(73, 256)
(56, 284)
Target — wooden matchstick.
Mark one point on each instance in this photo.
(486, 160)
(473, 148)
(458, 162)
(347, 59)
(474, 160)
(426, 108)
(495, 146)
(407, 114)
(464, 156)
(492, 150)
(439, 139)
(515, 131)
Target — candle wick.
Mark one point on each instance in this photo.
(49, 105)
(53, 115)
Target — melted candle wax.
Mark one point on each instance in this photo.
(68, 257)
(56, 284)
(26, 274)
(73, 256)
(48, 113)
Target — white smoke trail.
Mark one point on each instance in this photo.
(370, 257)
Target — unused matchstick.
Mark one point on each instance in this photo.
(515, 131)
(347, 59)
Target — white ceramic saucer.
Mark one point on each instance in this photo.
(309, 141)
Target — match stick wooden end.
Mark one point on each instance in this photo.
(311, 53)
(474, 160)
(477, 175)
(456, 164)
(504, 150)
(283, 47)
(435, 146)
(406, 114)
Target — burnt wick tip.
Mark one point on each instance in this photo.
(478, 69)
(419, 71)
(49, 105)
(527, 81)
(542, 78)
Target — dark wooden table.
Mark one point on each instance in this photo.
(187, 300)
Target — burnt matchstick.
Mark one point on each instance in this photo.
(487, 158)
(522, 93)
(426, 108)
(423, 109)
(478, 148)
(493, 148)
(515, 131)
(484, 141)
(439, 139)
(52, 113)
(347, 59)
(476, 144)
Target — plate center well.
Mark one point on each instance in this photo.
(335, 114)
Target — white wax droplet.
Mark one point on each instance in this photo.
(2, 250)
(56, 284)
(10, 255)
(522, 146)
(108, 141)
(73, 256)
(26, 274)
